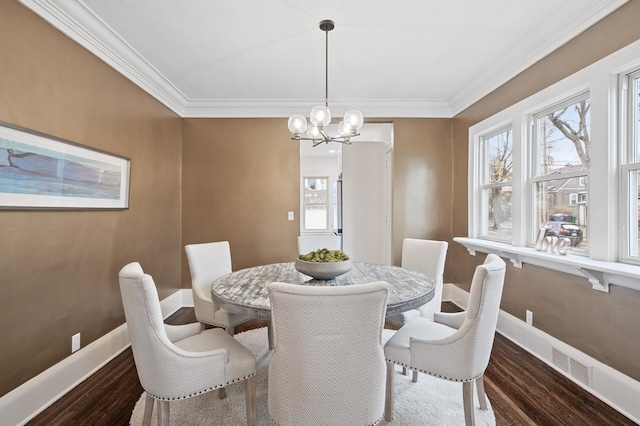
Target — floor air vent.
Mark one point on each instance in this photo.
(580, 372)
(560, 360)
(573, 368)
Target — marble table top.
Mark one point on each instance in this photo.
(245, 292)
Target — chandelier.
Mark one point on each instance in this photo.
(320, 116)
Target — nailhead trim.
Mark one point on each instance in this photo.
(433, 374)
(370, 424)
(159, 398)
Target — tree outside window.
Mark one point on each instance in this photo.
(496, 186)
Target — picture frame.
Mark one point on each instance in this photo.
(39, 171)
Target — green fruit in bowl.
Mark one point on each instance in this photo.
(324, 255)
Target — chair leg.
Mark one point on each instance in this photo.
(148, 409)
(388, 401)
(163, 413)
(482, 396)
(404, 371)
(270, 334)
(467, 401)
(222, 394)
(415, 376)
(250, 390)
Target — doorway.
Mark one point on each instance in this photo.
(365, 205)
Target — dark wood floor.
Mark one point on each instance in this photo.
(522, 391)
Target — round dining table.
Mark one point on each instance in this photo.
(245, 291)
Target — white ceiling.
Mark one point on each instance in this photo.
(243, 58)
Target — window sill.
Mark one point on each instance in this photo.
(599, 273)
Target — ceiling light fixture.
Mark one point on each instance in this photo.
(320, 116)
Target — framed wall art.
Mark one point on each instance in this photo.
(38, 171)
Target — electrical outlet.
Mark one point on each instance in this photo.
(75, 342)
(290, 216)
(529, 317)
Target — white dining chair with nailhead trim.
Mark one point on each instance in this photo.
(176, 362)
(453, 346)
(428, 257)
(328, 365)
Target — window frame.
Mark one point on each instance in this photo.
(327, 205)
(537, 177)
(630, 151)
(484, 185)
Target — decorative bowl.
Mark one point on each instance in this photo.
(323, 270)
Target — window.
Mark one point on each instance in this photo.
(316, 203)
(573, 199)
(561, 139)
(631, 167)
(576, 172)
(496, 172)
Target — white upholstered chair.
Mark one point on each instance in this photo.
(428, 257)
(179, 361)
(328, 365)
(453, 346)
(208, 262)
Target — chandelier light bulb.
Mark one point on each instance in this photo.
(297, 124)
(320, 116)
(344, 129)
(354, 120)
(313, 132)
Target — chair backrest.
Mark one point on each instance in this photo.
(207, 262)
(469, 348)
(426, 256)
(165, 370)
(328, 366)
(149, 341)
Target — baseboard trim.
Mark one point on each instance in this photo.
(612, 387)
(34, 396)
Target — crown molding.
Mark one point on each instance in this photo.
(253, 108)
(525, 56)
(79, 23)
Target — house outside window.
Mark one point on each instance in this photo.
(316, 203)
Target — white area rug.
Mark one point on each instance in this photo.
(430, 401)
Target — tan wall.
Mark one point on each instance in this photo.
(422, 181)
(240, 174)
(241, 177)
(58, 269)
(601, 325)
